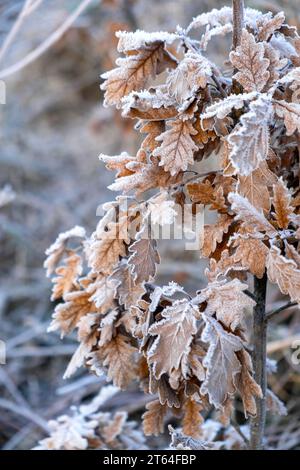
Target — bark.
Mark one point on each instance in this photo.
(259, 361)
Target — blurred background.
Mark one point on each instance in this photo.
(53, 127)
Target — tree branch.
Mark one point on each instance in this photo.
(274, 312)
(238, 22)
(259, 361)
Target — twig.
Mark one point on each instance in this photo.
(42, 48)
(250, 294)
(240, 432)
(28, 414)
(274, 312)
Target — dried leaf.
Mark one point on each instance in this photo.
(290, 112)
(205, 193)
(252, 254)
(192, 418)
(249, 215)
(249, 141)
(248, 59)
(282, 204)
(246, 384)
(214, 234)
(177, 146)
(255, 187)
(174, 336)
(144, 256)
(116, 356)
(67, 277)
(153, 418)
(227, 300)
(284, 273)
(221, 362)
(127, 291)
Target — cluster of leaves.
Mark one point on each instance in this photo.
(88, 428)
(191, 351)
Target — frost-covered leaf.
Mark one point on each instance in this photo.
(249, 215)
(205, 193)
(214, 233)
(252, 254)
(282, 204)
(248, 59)
(159, 292)
(153, 418)
(221, 362)
(144, 256)
(67, 276)
(290, 113)
(274, 404)
(67, 315)
(255, 187)
(118, 163)
(127, 291)
(227, 300)
(174, 336)
(116, 355)
(191, 74)
(162, 209)
(284, 273)
(57, 249)
(154, 105)
(267, 25)
(177, 146)
(88, 335)
(246, 384)
(250, 139)
(192, 418)
(134, 71)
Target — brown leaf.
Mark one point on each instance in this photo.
(249, 140)
(255, 187)
(248, 59)
(174, 336)
(249, 215)
(117, 357)
(268, 25)
(177, 146)
(290, 112)
(252, 254)
(67, 276)
(133, 72)
(282, 204)
(213, 234)
(227, 300)
(67, 315)
(246, 384)
(144, 257)
(192, 418)
(115, 427)
(284, 273)
(153, 418)
(127, 291)
(221, 362)
(205, 193)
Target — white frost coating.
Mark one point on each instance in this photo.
(144, 100)
(216, 18)
(284, 47)
(222, 108)
(129, 41)
(105, 394)
(161, 209)
(167, 291)
(76, 231)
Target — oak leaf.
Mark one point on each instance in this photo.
(284, 273)
(246, 384)
(153, 418)
(214, 233)
(67, 276)
(282, 204)
(248, 59)
(174, 336)
(290, 112)
(144, 256)
(177, 146)
(252, 254)
(221, 362)
(192, 418)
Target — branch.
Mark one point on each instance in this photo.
(238, 22)
(52, 39)
(259, 361)
(274, 312)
